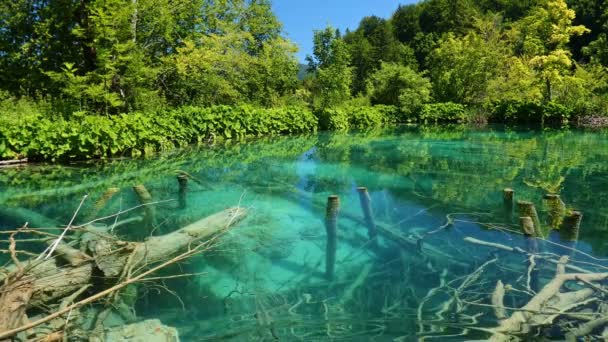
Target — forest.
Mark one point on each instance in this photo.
(97, 79)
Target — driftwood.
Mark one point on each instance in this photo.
(13, 162)
(574, 308)
(529, 315)
(42, 282)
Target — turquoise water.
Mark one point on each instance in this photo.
(265, 278)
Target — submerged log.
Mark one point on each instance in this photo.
(498, 301)
(20, 216)
(13, 304)
(149, 211)
(331, 224)
(531, 314)
(366, 206)
(52, 278)
(101, 202)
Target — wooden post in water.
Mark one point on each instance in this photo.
(507, 199)
(145, 198)
(366, 206)
(527, 226)
(182, 180)
(571, 226)
(527, 209)
(557, 210)
(331, 224)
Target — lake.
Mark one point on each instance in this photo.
(434, 194)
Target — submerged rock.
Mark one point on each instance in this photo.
(147, 331)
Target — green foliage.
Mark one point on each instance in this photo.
(461, 67)
(333, 119)
(400, 86)
(332, 75)
(373, 43)
(86, 136)
(530, 112)
(117, 56)
(443, 112)
(357, 117)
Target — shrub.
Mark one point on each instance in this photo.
(333, 119)
(357, 117)
(530, 112)
(443, 112)
(87, 136)
(399, 85)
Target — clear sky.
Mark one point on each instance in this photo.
(300, 18)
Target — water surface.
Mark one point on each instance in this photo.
(265, 280)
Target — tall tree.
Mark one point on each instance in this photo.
(461, 67)
(330, 65)
(406, 22)
(543, 37)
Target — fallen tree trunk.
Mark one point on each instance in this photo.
(530, 314)
(52, 279)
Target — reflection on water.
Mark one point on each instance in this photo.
(433, 187)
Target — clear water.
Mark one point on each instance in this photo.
(266, 280)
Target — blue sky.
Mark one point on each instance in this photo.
(300, 18)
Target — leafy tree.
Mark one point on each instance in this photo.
(543, 37)
(406, 22)
(593, 15)
(461, 68)
(371, 44)
(330, 65)
(511, 10)
(399, 85)
(597, 50)
(442, 16)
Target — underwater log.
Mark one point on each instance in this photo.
(557, 210)
(498, 300)
(182, 180)
(507, 199)
(102, 201)
(571, 226)
(52, 279)
(331, 224)
(531, 315)
(366, 206)
(145, 198)
(22, 215)
(527, 209)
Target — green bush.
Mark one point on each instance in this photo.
(357, 117)
(333, 119)
(443, 112)
(364, 117)
(530, 112)
(88, 136)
